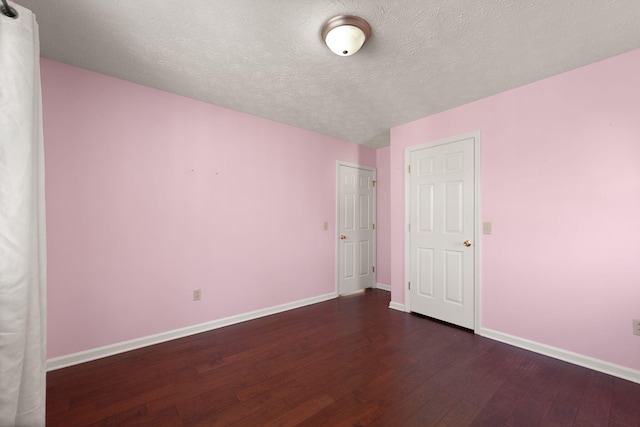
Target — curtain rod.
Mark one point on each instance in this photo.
(8, 10)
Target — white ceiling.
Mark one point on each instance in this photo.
(266, 57)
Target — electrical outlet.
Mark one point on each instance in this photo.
(636, 326)
(197, 295)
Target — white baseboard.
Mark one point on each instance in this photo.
(568, 356)
(110, 350)
(396, 306)
(383, 287)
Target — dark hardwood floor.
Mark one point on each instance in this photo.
(348, 361)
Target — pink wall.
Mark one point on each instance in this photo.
(383, 212)
(151, 195)
(560, 181)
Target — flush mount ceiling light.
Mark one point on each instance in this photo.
(345, 34)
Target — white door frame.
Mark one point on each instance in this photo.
(477, 218)
(375, 210)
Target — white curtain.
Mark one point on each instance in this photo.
(22, 225)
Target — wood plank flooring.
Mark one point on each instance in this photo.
(346, 362)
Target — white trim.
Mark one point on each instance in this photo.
(110, 350)
(337, 226)
(567, 356)
(477, 218)
(478, 234)
(407, 234)
(383, 287)
(396, 306)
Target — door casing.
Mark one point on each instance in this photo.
(477, 218)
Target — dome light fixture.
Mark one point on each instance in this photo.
(345, 34)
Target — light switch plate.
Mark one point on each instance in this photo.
(487, 228)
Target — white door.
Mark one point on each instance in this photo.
(356, 228)
(442, 231)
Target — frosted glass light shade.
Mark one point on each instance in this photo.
(345, 34)
(345, 40)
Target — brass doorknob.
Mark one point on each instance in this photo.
(467, 243)
(342, 237)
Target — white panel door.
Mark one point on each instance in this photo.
(442, 229)
(356, 229)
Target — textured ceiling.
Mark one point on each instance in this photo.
(266, 58)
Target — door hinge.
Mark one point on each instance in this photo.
(409, 228)
(409, 169)
(374, 226)
(373, 184)
(409, 285)
(373, 269)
